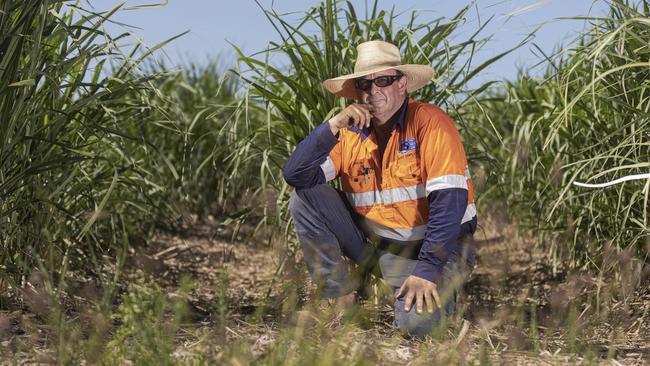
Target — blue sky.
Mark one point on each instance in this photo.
(214, 23)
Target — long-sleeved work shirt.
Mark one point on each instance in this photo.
(419, 189)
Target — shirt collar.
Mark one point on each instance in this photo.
(401, 115)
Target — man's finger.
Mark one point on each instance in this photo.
(355, 119)
(408, 301)
(359, 115)
(401, 291)
(436, 296)
(367, 116)
(362, 120)
(367, 109)
(419, 302)
(351, 113)
(428, 297)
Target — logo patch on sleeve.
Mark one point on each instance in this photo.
(407, 145)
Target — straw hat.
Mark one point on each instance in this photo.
(375, 56)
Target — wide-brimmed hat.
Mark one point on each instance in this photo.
(376, 56)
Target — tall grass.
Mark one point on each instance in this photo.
(586, 120)
(83, 170)
(197, 108)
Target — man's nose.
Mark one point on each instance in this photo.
(374, 88)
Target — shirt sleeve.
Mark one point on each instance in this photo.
(315, 160)
(446, 210)
(443, 164)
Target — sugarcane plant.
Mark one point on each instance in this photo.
(584, 121)
(74, 177)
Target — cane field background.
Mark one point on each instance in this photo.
(143, 214)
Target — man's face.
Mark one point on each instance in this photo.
(385, 100)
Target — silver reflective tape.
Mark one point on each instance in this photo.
(387, 196)
(470, 212)
(402, 234)
(446, 181)
(328, 169)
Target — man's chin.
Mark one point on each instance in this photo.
(378, 109)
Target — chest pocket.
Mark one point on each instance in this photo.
(406, 169)
(359, 177)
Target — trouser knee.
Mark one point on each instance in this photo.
(424, 324)
(305, 202)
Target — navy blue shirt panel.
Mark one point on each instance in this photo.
(303, 167)
(446, 210)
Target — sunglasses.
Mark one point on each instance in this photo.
(381, 81)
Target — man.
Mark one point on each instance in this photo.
(406, 187)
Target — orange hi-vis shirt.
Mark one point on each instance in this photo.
(424, 154)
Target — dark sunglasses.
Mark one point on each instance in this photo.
(381, 81)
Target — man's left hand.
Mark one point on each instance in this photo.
(420, 290)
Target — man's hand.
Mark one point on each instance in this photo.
(422, 290)
(358, 115)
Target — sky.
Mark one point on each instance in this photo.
(212, 24)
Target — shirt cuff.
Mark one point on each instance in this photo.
(428, 271)
(326, 140)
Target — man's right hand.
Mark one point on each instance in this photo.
(358, 115)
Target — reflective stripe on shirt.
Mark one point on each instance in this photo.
(388, 196)
(401, 234)
(446, 181)
(414, 233)
(328, 169)
(470, 212)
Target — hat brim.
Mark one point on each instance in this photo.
(417, 76)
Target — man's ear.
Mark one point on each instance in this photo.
(402, 83)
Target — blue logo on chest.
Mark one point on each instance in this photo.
(407, 145)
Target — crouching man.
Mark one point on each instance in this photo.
(407, 204)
